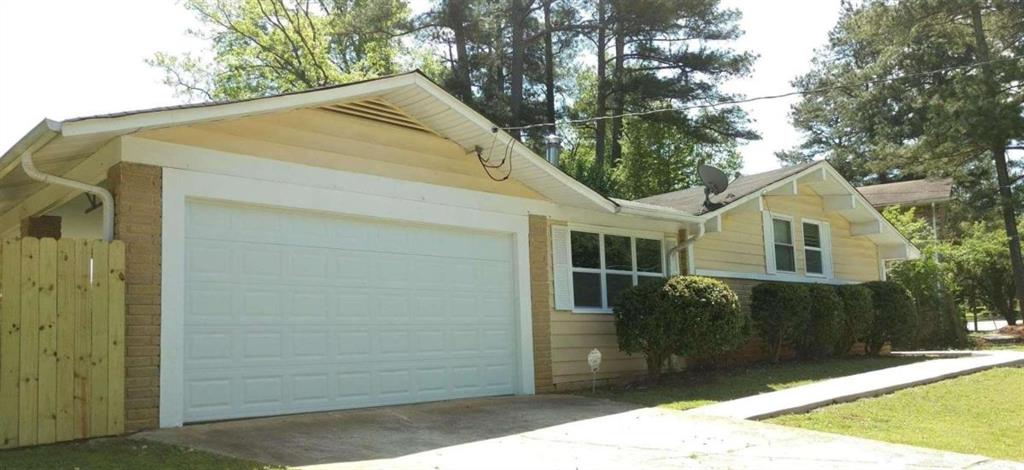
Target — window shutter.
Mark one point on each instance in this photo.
(769, 242)
(826, 249)
(673, 262)
(560, 262)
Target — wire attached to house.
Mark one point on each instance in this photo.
(506, 157)
(752, 99)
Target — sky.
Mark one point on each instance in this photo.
(67, 58)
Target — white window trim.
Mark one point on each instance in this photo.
(825, 249)
(770, 233)
(601, 232)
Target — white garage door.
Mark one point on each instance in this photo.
(289, 311)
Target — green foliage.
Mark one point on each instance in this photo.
(684, 315)
(981, 268)
(895, 318)
(780, 312)
(920, 123)
(824, 319)
(858, 315)
(930, 279)
(264, 47)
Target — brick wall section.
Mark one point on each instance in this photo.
(42, 226)
(542, 301)
(137, 191)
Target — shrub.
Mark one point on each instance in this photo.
(895, 318)
(825, 312)
(858, 313)
(779, 312)
(684, 315)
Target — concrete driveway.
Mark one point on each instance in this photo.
(546, 431)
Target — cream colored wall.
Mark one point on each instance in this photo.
(76, 223)
(740, 246)
(327, 139)
(573, 335)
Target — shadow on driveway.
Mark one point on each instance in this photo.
(383, 433)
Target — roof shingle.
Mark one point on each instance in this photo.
(691, 200)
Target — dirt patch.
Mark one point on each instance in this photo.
(1012, 330)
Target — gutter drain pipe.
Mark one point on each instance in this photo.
(688, 244)
(105, 197)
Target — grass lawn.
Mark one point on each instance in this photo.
(976, 414)
(691, 390)
(118, 453)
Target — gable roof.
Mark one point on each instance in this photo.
(691, 200)
(824, 179)
(909, 193)
(59, 146)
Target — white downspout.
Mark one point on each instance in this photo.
(688, 244)
(108, 200)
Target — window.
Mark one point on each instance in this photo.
(782, 230)
(603, 265)
(814, 259)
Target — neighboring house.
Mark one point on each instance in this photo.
(343, 247)
(929, 196)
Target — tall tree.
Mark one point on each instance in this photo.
(921, 87)
(663, 54)
(263, 47)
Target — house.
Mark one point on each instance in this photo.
(930, 196)
(344, 247)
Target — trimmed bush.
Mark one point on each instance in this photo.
(858, 313)
(684, 315)
(779, 311)
(895, 318)
(825, 312)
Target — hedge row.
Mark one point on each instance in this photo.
(819, 320)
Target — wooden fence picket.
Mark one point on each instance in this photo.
(62, 330)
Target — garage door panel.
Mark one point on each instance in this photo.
(291, 312)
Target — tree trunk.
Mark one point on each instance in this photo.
(600, 108)
(549, 68)
(515, 70)
(618, 87)
(654, 364)
(457, 22)
(998, 149)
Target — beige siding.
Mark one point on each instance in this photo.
(739, 247)
(573, 335)
(326, 139)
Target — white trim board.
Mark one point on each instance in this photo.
(181, 185)
(774, 277)
(186, 157)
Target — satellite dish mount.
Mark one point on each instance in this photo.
(715, 182)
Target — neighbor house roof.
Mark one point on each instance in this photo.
(691, 200)
(908, 193)
(58, 147)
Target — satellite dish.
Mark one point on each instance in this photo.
(715, 182)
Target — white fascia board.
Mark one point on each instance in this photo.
(656, 212)
(173, 117)
(40, 135)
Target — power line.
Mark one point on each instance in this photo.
(752, 99)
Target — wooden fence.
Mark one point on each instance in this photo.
(61, 340)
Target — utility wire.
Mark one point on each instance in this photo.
(753, 99)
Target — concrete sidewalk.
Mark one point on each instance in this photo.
(868, 384)
(558, 432)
